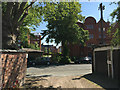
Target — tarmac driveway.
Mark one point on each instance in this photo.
(65, 76)
(61, 76)
(61, 70)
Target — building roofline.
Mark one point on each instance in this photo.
(36, 33)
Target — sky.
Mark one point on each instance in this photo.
(88, 9)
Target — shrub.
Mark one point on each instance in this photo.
(73, 58)
(56, 58)
(65, 60)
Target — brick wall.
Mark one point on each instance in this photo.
(93, 27)
(14, 66)
(77, 50)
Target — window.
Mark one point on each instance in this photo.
(103, 29)
(104, 36)
(99, 29)
(91, 36)
(89, 26)
(99, 36)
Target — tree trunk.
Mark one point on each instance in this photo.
(8, 35)
(10, 23)
(65, 49)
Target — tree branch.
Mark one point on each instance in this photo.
(23, 17)
(26, 12)
(20, 10)
(15, 8)
(30, 5)
(9, 8)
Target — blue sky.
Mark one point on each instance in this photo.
(88, 9)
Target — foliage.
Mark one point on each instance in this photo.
(59, 59)
(33, 18)
(62, 28)
(30, 23)
(56, 58)
(34, 46)
(16, 16)
(46, 51)
(49, 51)
(65, 60)
(115, 32)
(24, 37)
(73, 58)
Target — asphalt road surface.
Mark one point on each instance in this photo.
(61, 70)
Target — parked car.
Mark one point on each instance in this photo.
(43, 61)
(77, 61)
(40, 61)
(84, 60)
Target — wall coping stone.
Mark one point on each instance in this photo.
(12, 51)
(32, 50)
(23, 50)
(104, 48)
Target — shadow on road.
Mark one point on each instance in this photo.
(31, 83)
(103, 81)
(38, 76)
(34, 80)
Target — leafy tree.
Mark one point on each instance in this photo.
(62, 28)
(24, 33)
(17, 16)
(34, 46)
(30, 23)
(49, 51)
(46, 50)
(116, 34)
(37, 46)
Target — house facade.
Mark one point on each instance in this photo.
(36, 39)
(32, 40)
(49, 49)
(94, 29)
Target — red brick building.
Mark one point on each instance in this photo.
(49, 49)
(60, 49)
(94, 29)
(36, 39)
(32, 40)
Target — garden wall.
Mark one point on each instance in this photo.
(14, 65)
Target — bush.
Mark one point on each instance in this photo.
(56, 58)
(73, 58)
(65, 60)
